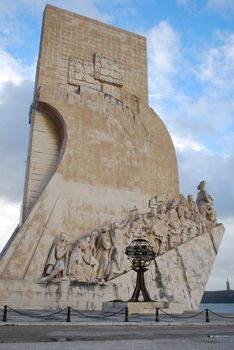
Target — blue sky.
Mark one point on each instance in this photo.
(191, 86)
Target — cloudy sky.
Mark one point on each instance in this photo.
(191, 86)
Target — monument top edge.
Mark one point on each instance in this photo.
(59, 9)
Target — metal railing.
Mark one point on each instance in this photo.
(67, 313)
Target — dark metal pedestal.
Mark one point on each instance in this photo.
(140, 253)
(140, 287)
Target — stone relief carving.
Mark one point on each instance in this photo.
(205, 204)
(100, 255)
(57, 261)
(119, 243)
(108, 70)
(81, 72)
(104, 247)
(83, 263)
(92, 73)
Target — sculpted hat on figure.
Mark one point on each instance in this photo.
(97, 154)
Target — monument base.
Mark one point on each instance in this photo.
(178, 277)
(140, 307)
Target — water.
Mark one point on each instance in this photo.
(219, 308)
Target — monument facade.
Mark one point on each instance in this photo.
(101, 172)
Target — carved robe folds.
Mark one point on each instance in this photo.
(100, 255)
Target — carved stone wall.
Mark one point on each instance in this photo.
(108, 70)
(94, 268)
(99, 69)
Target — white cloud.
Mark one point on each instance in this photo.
(223, 5)
(190, 5)
(8, 8)
(9, 218)
(195, 166)
(12, 11)
(164, 57)
(182, 2)
(14, 107)
(224, 263)
(16, 93)
(84, 7)
(198, 165)
(186, 143)
(201, 124)
(12, 70)
(206, 120)
(217, 67)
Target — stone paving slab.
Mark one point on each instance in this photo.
(191, 344)
(127, 336)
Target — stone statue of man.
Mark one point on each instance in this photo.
(205, 205)
(56, 264)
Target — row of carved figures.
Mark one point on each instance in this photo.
(100, 255)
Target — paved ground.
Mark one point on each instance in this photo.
(118, 337)
(35, 330)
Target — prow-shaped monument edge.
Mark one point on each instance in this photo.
(97, 153)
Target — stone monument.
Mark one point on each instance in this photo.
(102, 172)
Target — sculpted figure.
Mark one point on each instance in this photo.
(183, 214)
(56, 264)
(195, 217)
(193, 208)
(73, 257)
(117, 254)
(163, 228)
(205, 205)
(174, 225)
(83, 258)
(137, 227)
(152, 231)
(193, 227)
(104, 246)
(93, 242)
(100, 256)
(153, 205)
(85, 267)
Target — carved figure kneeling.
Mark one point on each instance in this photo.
(56, 264)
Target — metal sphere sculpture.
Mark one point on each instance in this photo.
(140, 253)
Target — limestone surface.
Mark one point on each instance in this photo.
(101, 172)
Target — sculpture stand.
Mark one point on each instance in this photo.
(140, 254)
(140, 287)
(144, 308)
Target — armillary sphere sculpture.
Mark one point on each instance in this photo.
(140, 254)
